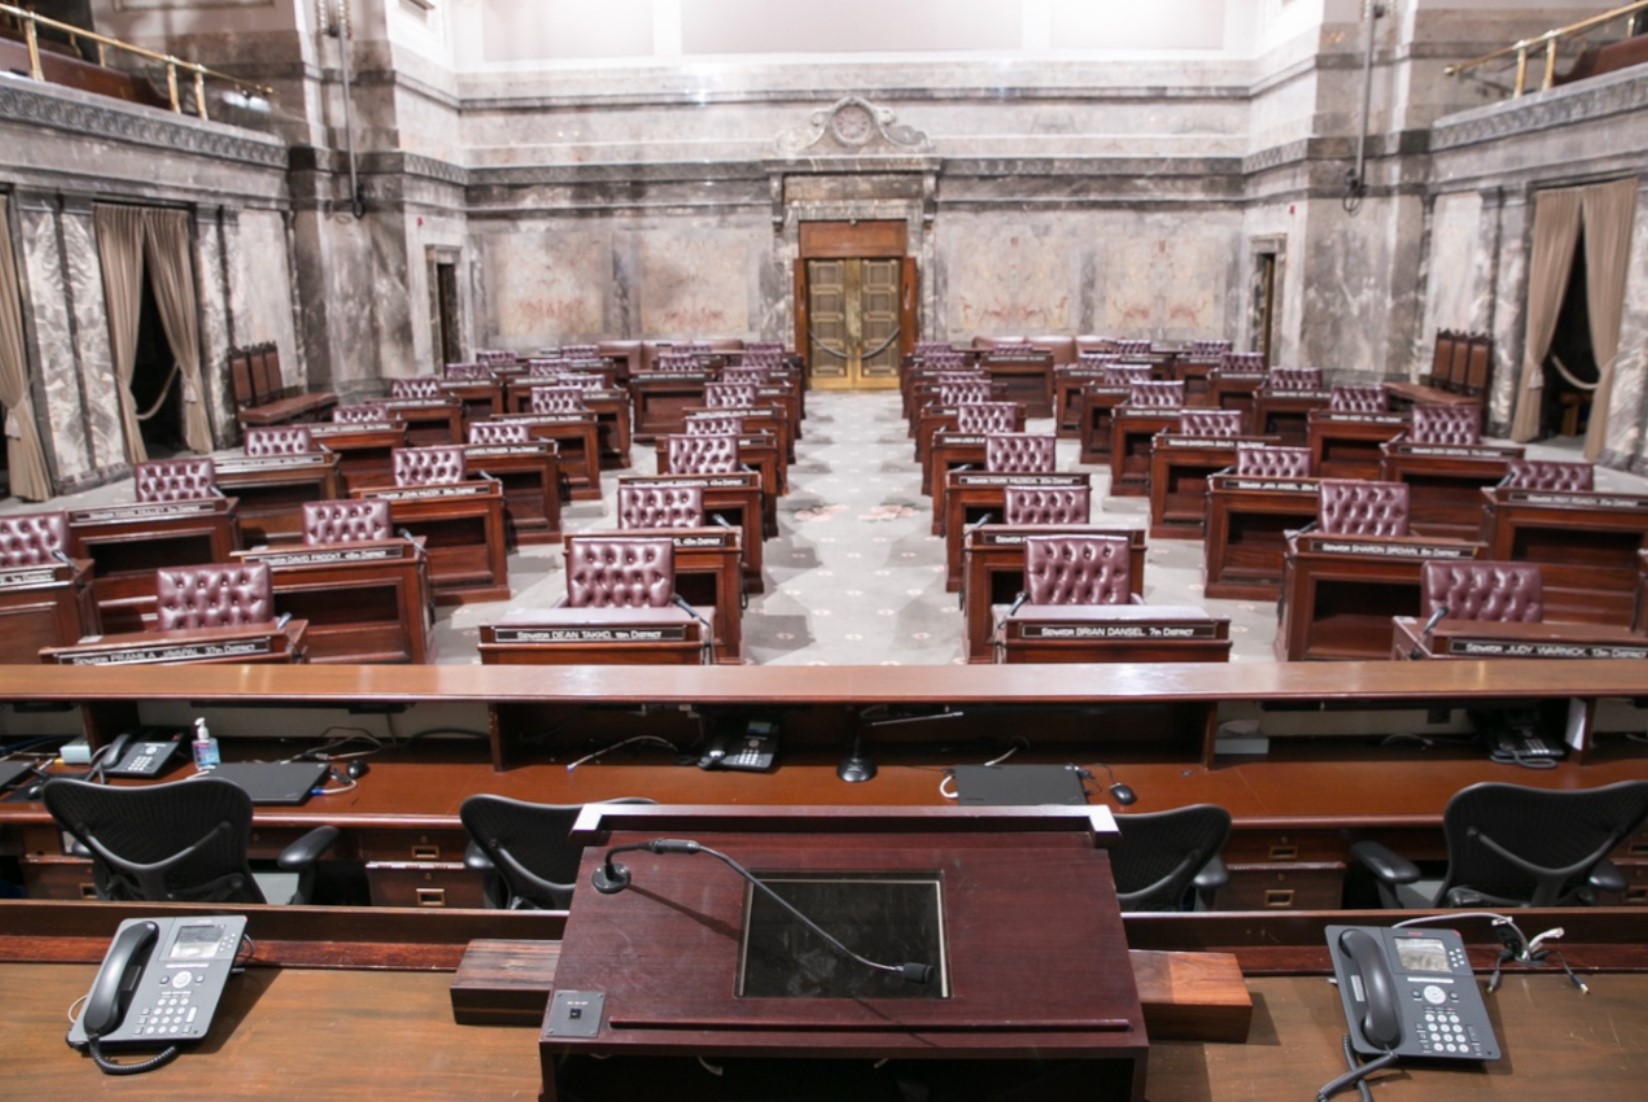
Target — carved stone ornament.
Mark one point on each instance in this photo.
(853, 126)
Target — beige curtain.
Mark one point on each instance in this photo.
(1556, 229)
(24, 457)
(120, 253)
(172, 275)
(1609, 210)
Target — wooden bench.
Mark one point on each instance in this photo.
(1461, 372)
(262, 397)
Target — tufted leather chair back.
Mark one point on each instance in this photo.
(346, 521)
(495, 356)
(354, 415)
(422, 387)
(1018, 451)
(580, 351)
(729, 395)
(497, 432)
(279, 440)
(1247, 362)
(1446, 425)
(619, 572)
(33, 539)
(1360, 399)
(469, 372)
(1259, 461)
(1507, 592)
(676, 362)
(580, 380)
(714, 426)
(1209, 347)
(660, 506)
(1547, 474)
(1217, 423)
(1124, 374)
(966, 393)
(949, 375)
(1348, 507)
(749, 374)
(1157, 395)
(1095, 361)
(1047, 504)
(558, 399)
(211, 596)
(1294, 378)
(987, 417)
(545, 367)
(434, 466)
(1076, 570)
(1131, 346)
(701, 454)
(173, 480)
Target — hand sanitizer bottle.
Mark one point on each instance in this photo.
(206, 755)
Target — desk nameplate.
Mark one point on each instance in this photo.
(157, 510)
(1321, 395)
(660, 634)
(1368, 548)
(1026, 478)
(1126, 412)
(725, 538)
(1614, 502)
(1132, 629)
(741, 480)
(1207, 443)
(957, 439)
(1503, 648)
(1453, 451)
(483, 451)
(545, 419)
(433, 405)
(670, 377)
(1242, 376)
(34, 577)
(432, 493)
(323, 557)
(254, 464)
(353, 427)
(1354, 417)
(1247, 483)
(140, 654)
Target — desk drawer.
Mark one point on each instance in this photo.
(402, 846)
(1270, 847)
(1306, 886)
(1636, 891)
(431, 884)
(58, 878)
(1633, 848)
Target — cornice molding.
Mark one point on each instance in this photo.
(1587, 101)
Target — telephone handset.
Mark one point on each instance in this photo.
(159, 985)
(754, 748)
(1513, 737)
(1410, 991)
(144, 752)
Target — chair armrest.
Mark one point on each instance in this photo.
(307, 850)
(1606, 877)
(476, 860)
(1387, 865)
(1213, 875)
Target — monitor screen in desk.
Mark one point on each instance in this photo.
(888, 918)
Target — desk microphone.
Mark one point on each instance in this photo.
(680, 602)
(1425, 632)
(613, 877)
(981, 521)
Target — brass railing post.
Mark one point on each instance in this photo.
(1550, 67)
(171, 86)
(1521, 71)
(31, 35)
(200, 91)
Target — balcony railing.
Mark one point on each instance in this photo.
(1550, 40)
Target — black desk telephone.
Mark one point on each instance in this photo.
(144, 752)
(1410, 991)
(158, 987)
(754, 748)
(1514, 737)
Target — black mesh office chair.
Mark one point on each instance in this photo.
(1164, 854)
(1514, 846)
(185, 841)
(522, 850)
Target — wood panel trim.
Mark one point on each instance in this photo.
(841, 240)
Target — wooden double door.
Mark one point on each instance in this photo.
(855, 309)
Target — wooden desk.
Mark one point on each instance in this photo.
(736, 498)
(1587, 546)
(1477, 639)
(1180, 467)
(462, 525)
(248, 644)
(129, 543)
(1131, 433)
(50, 605)
(1246, 540)
(1345, 444)
(1114, 633)
(970, 495)
(365, 451)
(760, 455)
(576, 437)
(1097, 409)
(660, 400)
(1405, 395)
(1339, 592)
(562, 636)
(709, 573)
(610, 406)
(1235, 390)
(1285, 414)
(1445, 483)
(481, 398)
(1069, 380)
(949, 450)
(930, 420)
(1028, 378)
(531, 480)
(272, 490)
(788, 396)
(1197, 376)
(771, 421)
(364, 602)
(429, 421)
(993, 574)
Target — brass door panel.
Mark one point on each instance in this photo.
(853, 323)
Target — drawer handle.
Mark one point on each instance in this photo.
(1284, 853)
(431, 897)
(1637, 896)
(88, 891)
(1638, 849)
(426, 853)
(1278, 898)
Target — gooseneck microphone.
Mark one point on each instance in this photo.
(613, 877)
(1425, 632)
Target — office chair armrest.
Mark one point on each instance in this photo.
(307, 850)
(1214, 874)
(1606, 877)
(1384, 863)
(476, 860)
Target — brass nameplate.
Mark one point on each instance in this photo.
(345, 428)
(955, 439)
(329, 555)
(1583, 500)
(711, 539)
(1352, 417)
(1340, 546)
(1131, 629)
(1453, 451)
(119, 514)
(168, 652)
(480, 451)
(590, 635)
(1500, 648)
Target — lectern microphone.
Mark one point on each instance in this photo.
(1425, 632)
(613, 877)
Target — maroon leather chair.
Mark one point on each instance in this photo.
(700, 425)
(433, 466)
(346, 521)
(1096, 361)
(470, 372)
(677, 362)
(750, 373)
(1019, 451)
(1446, 425)
(576, 379)
(496, 356)
(34, 539)
(1548, 474)
(355, 415)
(1294, 378)
(701, 454)
(660, 506)
(1242, 362)
(729, 395)
(619, 572)
(1262, 461)
(1216, 423)
(987, 417)
(1358, 399)
(1349, 507)
(1151, 394)
(497, 432)
(213, 595)
(1124, 374)
(174, 480)
(965, 393)
(1077, 570)
(1047, 504)
(423, 387)
(1204, 349)
(1506, 592)
(279, 440)
(558, 399)
(1131, 346)
(580, 351)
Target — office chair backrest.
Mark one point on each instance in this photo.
(701, 454)
(498, 432)
(729, 395)
(33, 539)
(660, 506)
(346, 521)
(1160, 853)
(439, 465)
(700, 425)
(1047, 504)
(1446, 425)
(1514, 845)
(987, 417)
(174, 480)
(536, 864)
(1548, 474)
(422, 387)
(1262, 461)
(356, 415)
(1218, 423)
(279, 440)
(1154, 394)
(1077, 570)
(211, 596)
(619, 572)
(1349, 507)
(1019, 451)
(1294, 378)
(1357, 399)
(1506, 592)
(1241, 362)
(559, 399)
(183, 841)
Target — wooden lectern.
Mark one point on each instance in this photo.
(1029, 990)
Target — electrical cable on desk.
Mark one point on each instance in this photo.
(333, 749)
(348, 783)
(603, 751)
(464, 732)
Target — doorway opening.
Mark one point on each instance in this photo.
(1570, 368)
(855, 303)
(1263, 319)
(448, 331)
(157, 388)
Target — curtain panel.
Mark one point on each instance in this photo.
(25, 458)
